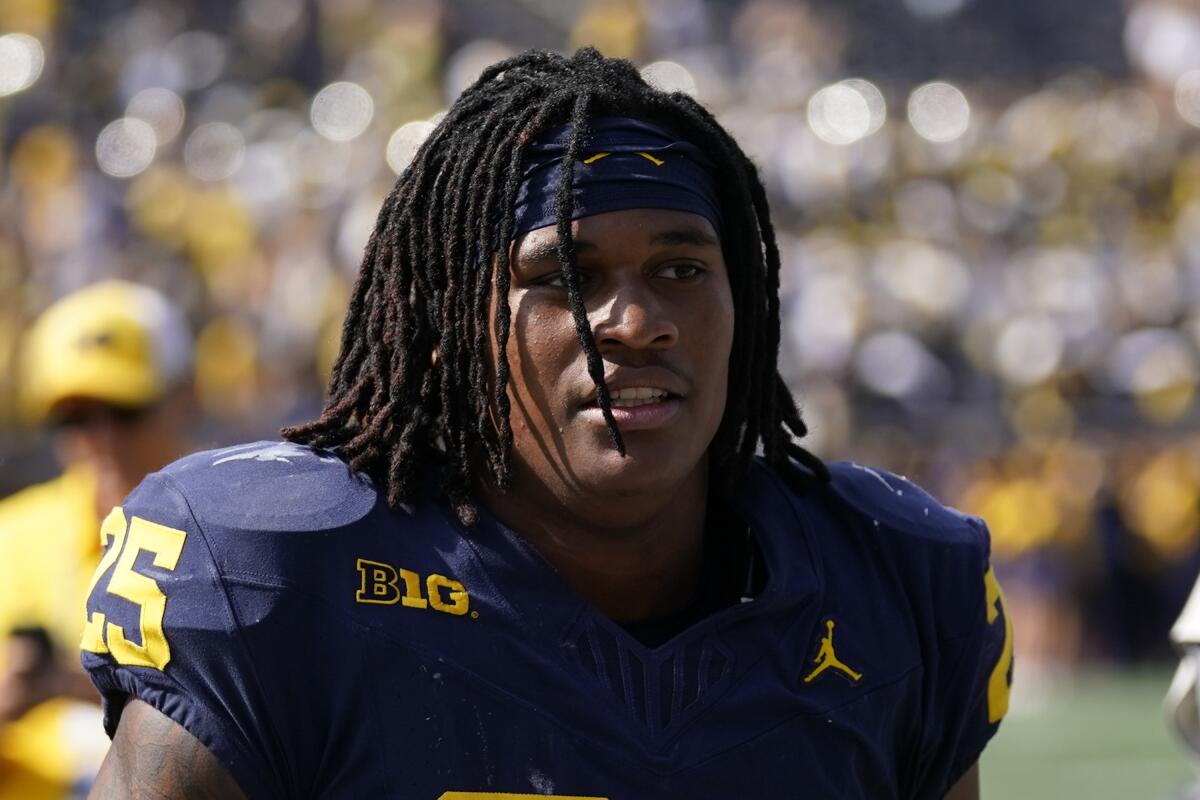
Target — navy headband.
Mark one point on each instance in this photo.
(625, 163)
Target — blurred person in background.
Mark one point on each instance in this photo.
(108, 370)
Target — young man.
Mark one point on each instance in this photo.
(528, 548)
(107, 368)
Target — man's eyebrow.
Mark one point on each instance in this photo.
(692, 236)
(548, 249)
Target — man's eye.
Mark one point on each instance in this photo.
(559, 281)
(680, 272)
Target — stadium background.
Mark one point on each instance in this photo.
(990, 220)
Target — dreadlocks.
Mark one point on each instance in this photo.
(406, 416)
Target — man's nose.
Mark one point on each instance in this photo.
(634, 317)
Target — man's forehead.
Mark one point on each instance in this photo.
(652, 226)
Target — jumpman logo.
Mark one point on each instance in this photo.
(827, 659)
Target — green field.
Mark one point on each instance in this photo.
(1099, 737)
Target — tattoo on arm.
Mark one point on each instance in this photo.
(154, 758)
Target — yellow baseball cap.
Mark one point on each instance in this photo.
(114, 341)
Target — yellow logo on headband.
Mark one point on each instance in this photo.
(658, 162)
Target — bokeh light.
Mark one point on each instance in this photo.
(199, 57)
(1029, 350)
(876, 104)
(162, 109)
(926, 208)
(265, 182)
(894, 364)
(125, 147)
(318, 161)
(669, 76)
(1151, 359)
(355, 230)
(21, 62)
(1187, 96)
(1163, 39)
(1119, 125)
(939, 111)
(928, 280)
(214, 151)
(404, 142)
(826, 320)
(989, 199)
(839, 114)
(469, 61)
(342, 111)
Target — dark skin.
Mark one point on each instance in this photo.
(659, 305)
(657, 296)
(153, 758)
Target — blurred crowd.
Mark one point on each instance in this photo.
(989, 218)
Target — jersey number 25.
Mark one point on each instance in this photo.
(125, 541)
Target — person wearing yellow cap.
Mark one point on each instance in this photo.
(108, 370)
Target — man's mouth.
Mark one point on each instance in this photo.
(637, 396)
(637, 408)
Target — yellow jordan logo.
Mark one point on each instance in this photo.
(827, 659)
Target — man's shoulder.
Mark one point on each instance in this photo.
(260, 486)
(255, 532)
(285, 516)
(872, 500)
(894, 503)
(935, 556)
(883, 540)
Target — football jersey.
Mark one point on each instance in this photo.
(322, 644)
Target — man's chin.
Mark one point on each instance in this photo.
(644, 469)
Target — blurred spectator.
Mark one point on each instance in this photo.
(108, 368)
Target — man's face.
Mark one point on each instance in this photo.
(125, 445)
(658, 301)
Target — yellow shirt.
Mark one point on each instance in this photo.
(49, 547)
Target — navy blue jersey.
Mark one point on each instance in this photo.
(322, 644)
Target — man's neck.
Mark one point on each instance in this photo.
(631, 558)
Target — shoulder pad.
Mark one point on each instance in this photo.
(897, 503)
(276, 486)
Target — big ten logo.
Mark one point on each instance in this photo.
(383, 584)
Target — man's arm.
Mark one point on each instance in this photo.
(153, 757)
(967, 787)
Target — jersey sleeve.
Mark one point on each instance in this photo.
(160, 629)
(970, 671)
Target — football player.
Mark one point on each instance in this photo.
(528, 549)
